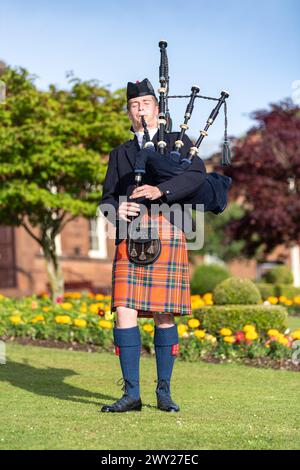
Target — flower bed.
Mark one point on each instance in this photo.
(292, 304)
(87, 319)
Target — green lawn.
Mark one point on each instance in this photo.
(50, 398)
(293, 322)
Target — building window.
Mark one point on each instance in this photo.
(97, 238)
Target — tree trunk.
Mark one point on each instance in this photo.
(55, 275)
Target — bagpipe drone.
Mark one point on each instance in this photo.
(163, 164)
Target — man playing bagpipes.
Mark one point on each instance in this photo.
(150, 277)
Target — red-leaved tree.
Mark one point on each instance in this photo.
(266, 179)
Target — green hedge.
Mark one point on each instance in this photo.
(279, 275)
(237, 291)
(276, 290)
(206, 277)
(266, 290)
(287, 290)
(264, 317)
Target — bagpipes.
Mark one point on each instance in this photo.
(164, 164)
(144, 248)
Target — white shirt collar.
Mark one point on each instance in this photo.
(140, 134)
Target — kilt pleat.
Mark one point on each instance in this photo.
(161, 287)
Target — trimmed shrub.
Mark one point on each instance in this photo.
(206, 277)
(279, 275)
(266, 290)
(237, 291)
(235, 317)
(288, 291)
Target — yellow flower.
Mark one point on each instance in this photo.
(273, 333)
(109, 315)
(197, 304)
(208, 296)
(288, 302)
(282, 298)
(63, 319)
(182, 329)
(199, 334)
(80, 322)
(2, 297)
(66, 305)
(283, 340)
(148, 328)
(296, 334)
(251, 335)
(212, 339)
(273, 300)
(193, 323)
(249, 328)
(15, 319)
(95, 307)
(229, 339)
(46, 309)
(195, 297)
(297, 299)
(83, 309)
(72, 295)
(37, 319)
(99, 297)
(226, 332)
(105, 324)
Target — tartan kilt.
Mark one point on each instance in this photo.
(160, 287)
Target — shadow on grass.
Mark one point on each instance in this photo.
(48, 382)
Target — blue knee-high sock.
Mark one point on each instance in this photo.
(166, 349)
(128, 348)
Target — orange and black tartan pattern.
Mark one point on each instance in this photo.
(161, 287)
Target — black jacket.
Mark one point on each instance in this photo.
(119, 179)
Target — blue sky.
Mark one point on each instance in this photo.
(249, 48)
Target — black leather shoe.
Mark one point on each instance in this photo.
(125, 403)
(164, 400)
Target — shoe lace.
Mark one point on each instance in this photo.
(163, 384)
(124, 385)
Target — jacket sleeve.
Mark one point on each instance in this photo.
(110, 191)
(185, 184)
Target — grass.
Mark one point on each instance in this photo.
(50, 398)
(293, 322)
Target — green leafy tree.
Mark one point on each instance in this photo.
(214, 229)
(53, 155)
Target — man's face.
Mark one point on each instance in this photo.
(143, 106)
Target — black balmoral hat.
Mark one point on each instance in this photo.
(139, 89)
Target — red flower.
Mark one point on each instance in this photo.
(239, 336)
(59, 299)
(101, 312)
